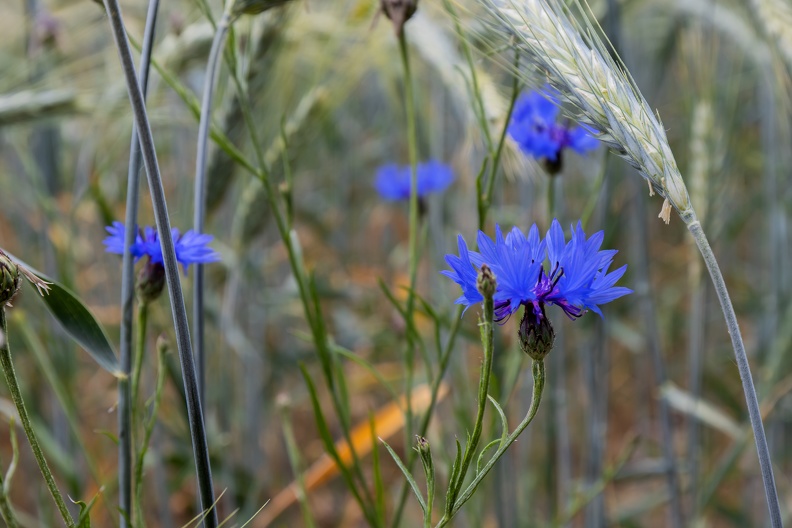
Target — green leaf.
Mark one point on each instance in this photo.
(78, 322)
(407, 474)
(483, 452)
(504, 421)
(84, 521)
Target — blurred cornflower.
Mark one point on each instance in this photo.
(191, 247)
(536, 128)
(393, 182)
(576, 278)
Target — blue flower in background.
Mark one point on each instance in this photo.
(393, 182)
(535, 126)
(576, 276)
(191, 247)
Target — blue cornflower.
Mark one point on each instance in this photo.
(535, 126)
(191, 247)
(575, 278)
(393, 182)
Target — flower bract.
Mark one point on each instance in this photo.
(393, 182)
(532, 272)
(191, 247)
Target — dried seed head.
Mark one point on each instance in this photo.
(9, 279)
(399, 12)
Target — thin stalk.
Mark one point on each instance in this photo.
(486, 199)
(310, 308)
(16, 396)
(743, 367)
(181, 327)
(412, 148)
(128, 285)
(427, 417)
(140, 352)
(199, 205)
(538, 370)
(487, 338)
(148, 430)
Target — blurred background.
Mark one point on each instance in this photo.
(327, 85)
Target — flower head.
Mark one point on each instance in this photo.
(536, 127)
(393, 182)
(533, 273)
(191, 247)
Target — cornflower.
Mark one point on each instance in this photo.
(535, 126)
(191, 248)
(393, 182)
(576, 278)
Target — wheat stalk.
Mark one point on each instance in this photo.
(608, 100)
(604, 95)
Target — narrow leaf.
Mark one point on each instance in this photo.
(406, 473)
(78, 322)
(504, 421)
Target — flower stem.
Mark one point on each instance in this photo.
(412, 147)
(148, 429)
(199, 204)
(128, 285)
(538, 370)
(181, 327)
(16, 397)
(140, 351)
(487, 340)
(694, 226)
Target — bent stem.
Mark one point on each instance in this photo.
(181, 327)
(128, 285)
(199, 204)
(538, 370)
(16, 396)
(694, 226)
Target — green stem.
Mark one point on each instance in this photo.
(765, 464)
(539, 382)
(148, 430)
(16, 397)
(487, 338)
(313, 317)
(412, 147)
(140, 352)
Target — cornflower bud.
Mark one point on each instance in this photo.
(536, 334)
(485, 282)
(150, 281)
(399, 12)
(9, 279)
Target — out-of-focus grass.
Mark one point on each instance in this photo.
(679, 56)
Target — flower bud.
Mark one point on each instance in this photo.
(399, 12)
(150, 281)
(536, 334)
(9, 279)
(485, 282)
